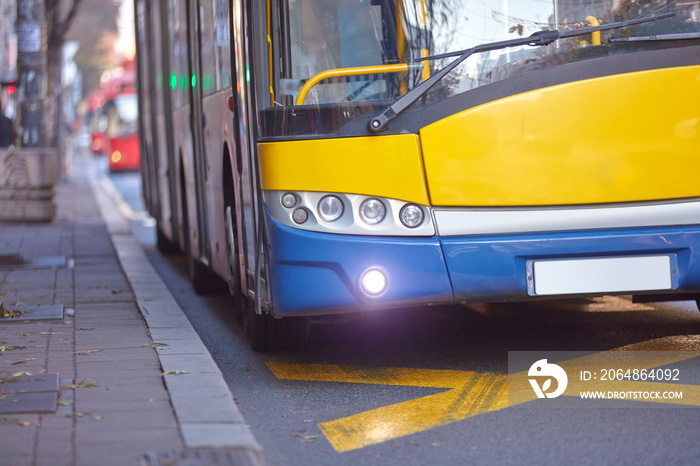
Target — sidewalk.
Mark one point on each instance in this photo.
(98, 364)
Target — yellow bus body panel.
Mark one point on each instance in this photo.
(629, 137)
(388, 166)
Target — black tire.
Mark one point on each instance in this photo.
(233, 274)
(265, 333)
(164, 245)
(204, 282)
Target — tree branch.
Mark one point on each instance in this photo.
(60, 29)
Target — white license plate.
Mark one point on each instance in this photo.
(600, 275)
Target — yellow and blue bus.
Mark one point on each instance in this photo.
(336, 156)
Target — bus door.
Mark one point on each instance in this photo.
(198, 123)
(243, 93)
(148, 172)
(161, 107)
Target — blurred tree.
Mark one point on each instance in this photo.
(95, 28)
(93, 23)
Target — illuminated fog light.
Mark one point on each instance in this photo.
(411, 215)
(330, 208)
(372, 211)
(374, 282)
(300, 215)
(116, 156)
(289, 200)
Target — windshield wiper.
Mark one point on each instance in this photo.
(539, 38)
(679, 36)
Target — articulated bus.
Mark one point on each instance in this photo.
(337, 156)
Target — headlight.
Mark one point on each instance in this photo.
(372, 211)
(289, 200)
(300, 215)
(374, 281)
(411, 215)
(330, 208)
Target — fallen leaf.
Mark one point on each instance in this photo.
(6, 313)
(24, 423)
(65, 403)
(175, 373)
(47, 333)
(86, 352)
(19, 362)
(80, 385)
(19, 374)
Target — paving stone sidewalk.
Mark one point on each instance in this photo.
(87, 386)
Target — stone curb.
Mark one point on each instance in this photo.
(207, 415)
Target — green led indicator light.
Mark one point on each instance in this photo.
(194, 80)
(247, 74)
(173, 81)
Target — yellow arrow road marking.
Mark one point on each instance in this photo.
(471, 393)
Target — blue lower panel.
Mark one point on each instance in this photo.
(494, 268)
(318, 272)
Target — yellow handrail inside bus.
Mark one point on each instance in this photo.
(269, 54)
(595, 36)
(400, 39)
(341, 72)
(424, 52)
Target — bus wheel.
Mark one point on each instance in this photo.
(233, 275)
(265, 333)
(164, 245)
(203, 281)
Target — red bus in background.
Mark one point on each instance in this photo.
(122, 131)
(114, 119)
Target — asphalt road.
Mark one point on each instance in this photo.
(421, 386)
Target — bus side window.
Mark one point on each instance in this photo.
(223, 47)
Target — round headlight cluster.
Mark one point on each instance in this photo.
(372, 211)
(330, 208)
(411, 215)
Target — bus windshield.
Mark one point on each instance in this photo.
(122, 116)
(317, 36)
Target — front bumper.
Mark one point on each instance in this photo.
(317, 273)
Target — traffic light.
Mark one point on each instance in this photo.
(10, 87)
